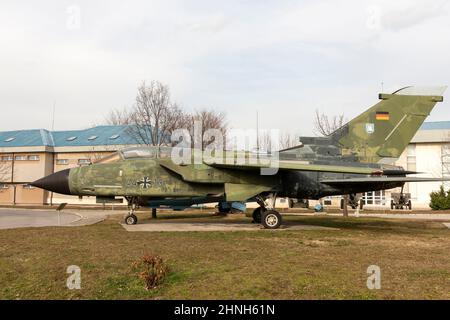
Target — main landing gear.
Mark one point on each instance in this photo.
(268, 218)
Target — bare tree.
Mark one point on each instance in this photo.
(265, 141)
(207, 119)
(288, 140)
(118, 117)
(324, 125)
(154, 116)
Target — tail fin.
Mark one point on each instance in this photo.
(384, 130)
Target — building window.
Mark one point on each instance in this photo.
(411, 157)
(84, 162)
(33, 158)
(28, 187)
(91, 138)
(7, 158)
(20, 158)
(62, 161)
(71, 138)
(374, 198)
(114, 137)
(445, 162)
(4, 186)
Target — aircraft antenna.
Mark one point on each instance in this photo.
(53, 115)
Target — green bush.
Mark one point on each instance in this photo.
(440, 200)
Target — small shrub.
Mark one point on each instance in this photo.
(152, 269)
(440, 200)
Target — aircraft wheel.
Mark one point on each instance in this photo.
(271, 219)
(392, 204)
(409, 205)
(131, 219)
(342, 204)
(223, 210)
(257, 215)
(307, 204)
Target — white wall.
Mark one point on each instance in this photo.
(428, 161)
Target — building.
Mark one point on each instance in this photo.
(427, 153)
(28, 155)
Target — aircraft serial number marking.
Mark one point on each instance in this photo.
(146, 183)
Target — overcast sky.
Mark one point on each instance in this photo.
(283, 58)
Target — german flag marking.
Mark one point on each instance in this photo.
(382, 115)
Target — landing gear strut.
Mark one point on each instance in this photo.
(131, 218)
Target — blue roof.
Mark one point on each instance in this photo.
(435, 125)
(99, 135)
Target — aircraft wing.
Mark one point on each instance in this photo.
(298, 166)
(379, 179)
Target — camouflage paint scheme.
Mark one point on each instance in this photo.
(353, 159)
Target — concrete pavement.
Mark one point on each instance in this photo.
(211, 226)
(23, 218)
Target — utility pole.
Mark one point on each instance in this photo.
(257, 131)
(53, 115)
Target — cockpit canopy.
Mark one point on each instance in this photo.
(136, 153)
(153, 152)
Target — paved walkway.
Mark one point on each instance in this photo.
(211, 226)
(418, 216)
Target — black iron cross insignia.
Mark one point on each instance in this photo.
(145, 183)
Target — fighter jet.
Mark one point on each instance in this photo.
(356, 158)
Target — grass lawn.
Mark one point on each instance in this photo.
(315, 264)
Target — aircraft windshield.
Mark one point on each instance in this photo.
(146, 152)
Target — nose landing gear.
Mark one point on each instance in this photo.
(131, 218)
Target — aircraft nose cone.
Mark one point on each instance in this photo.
(57, 182)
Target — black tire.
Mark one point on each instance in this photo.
(409, 205)
(392, 204)
(131, 219)
(342, 204)
(257, 213)
(307, 204)
(361, 204)
(222, 209)
(291, 203)
(271, 219)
